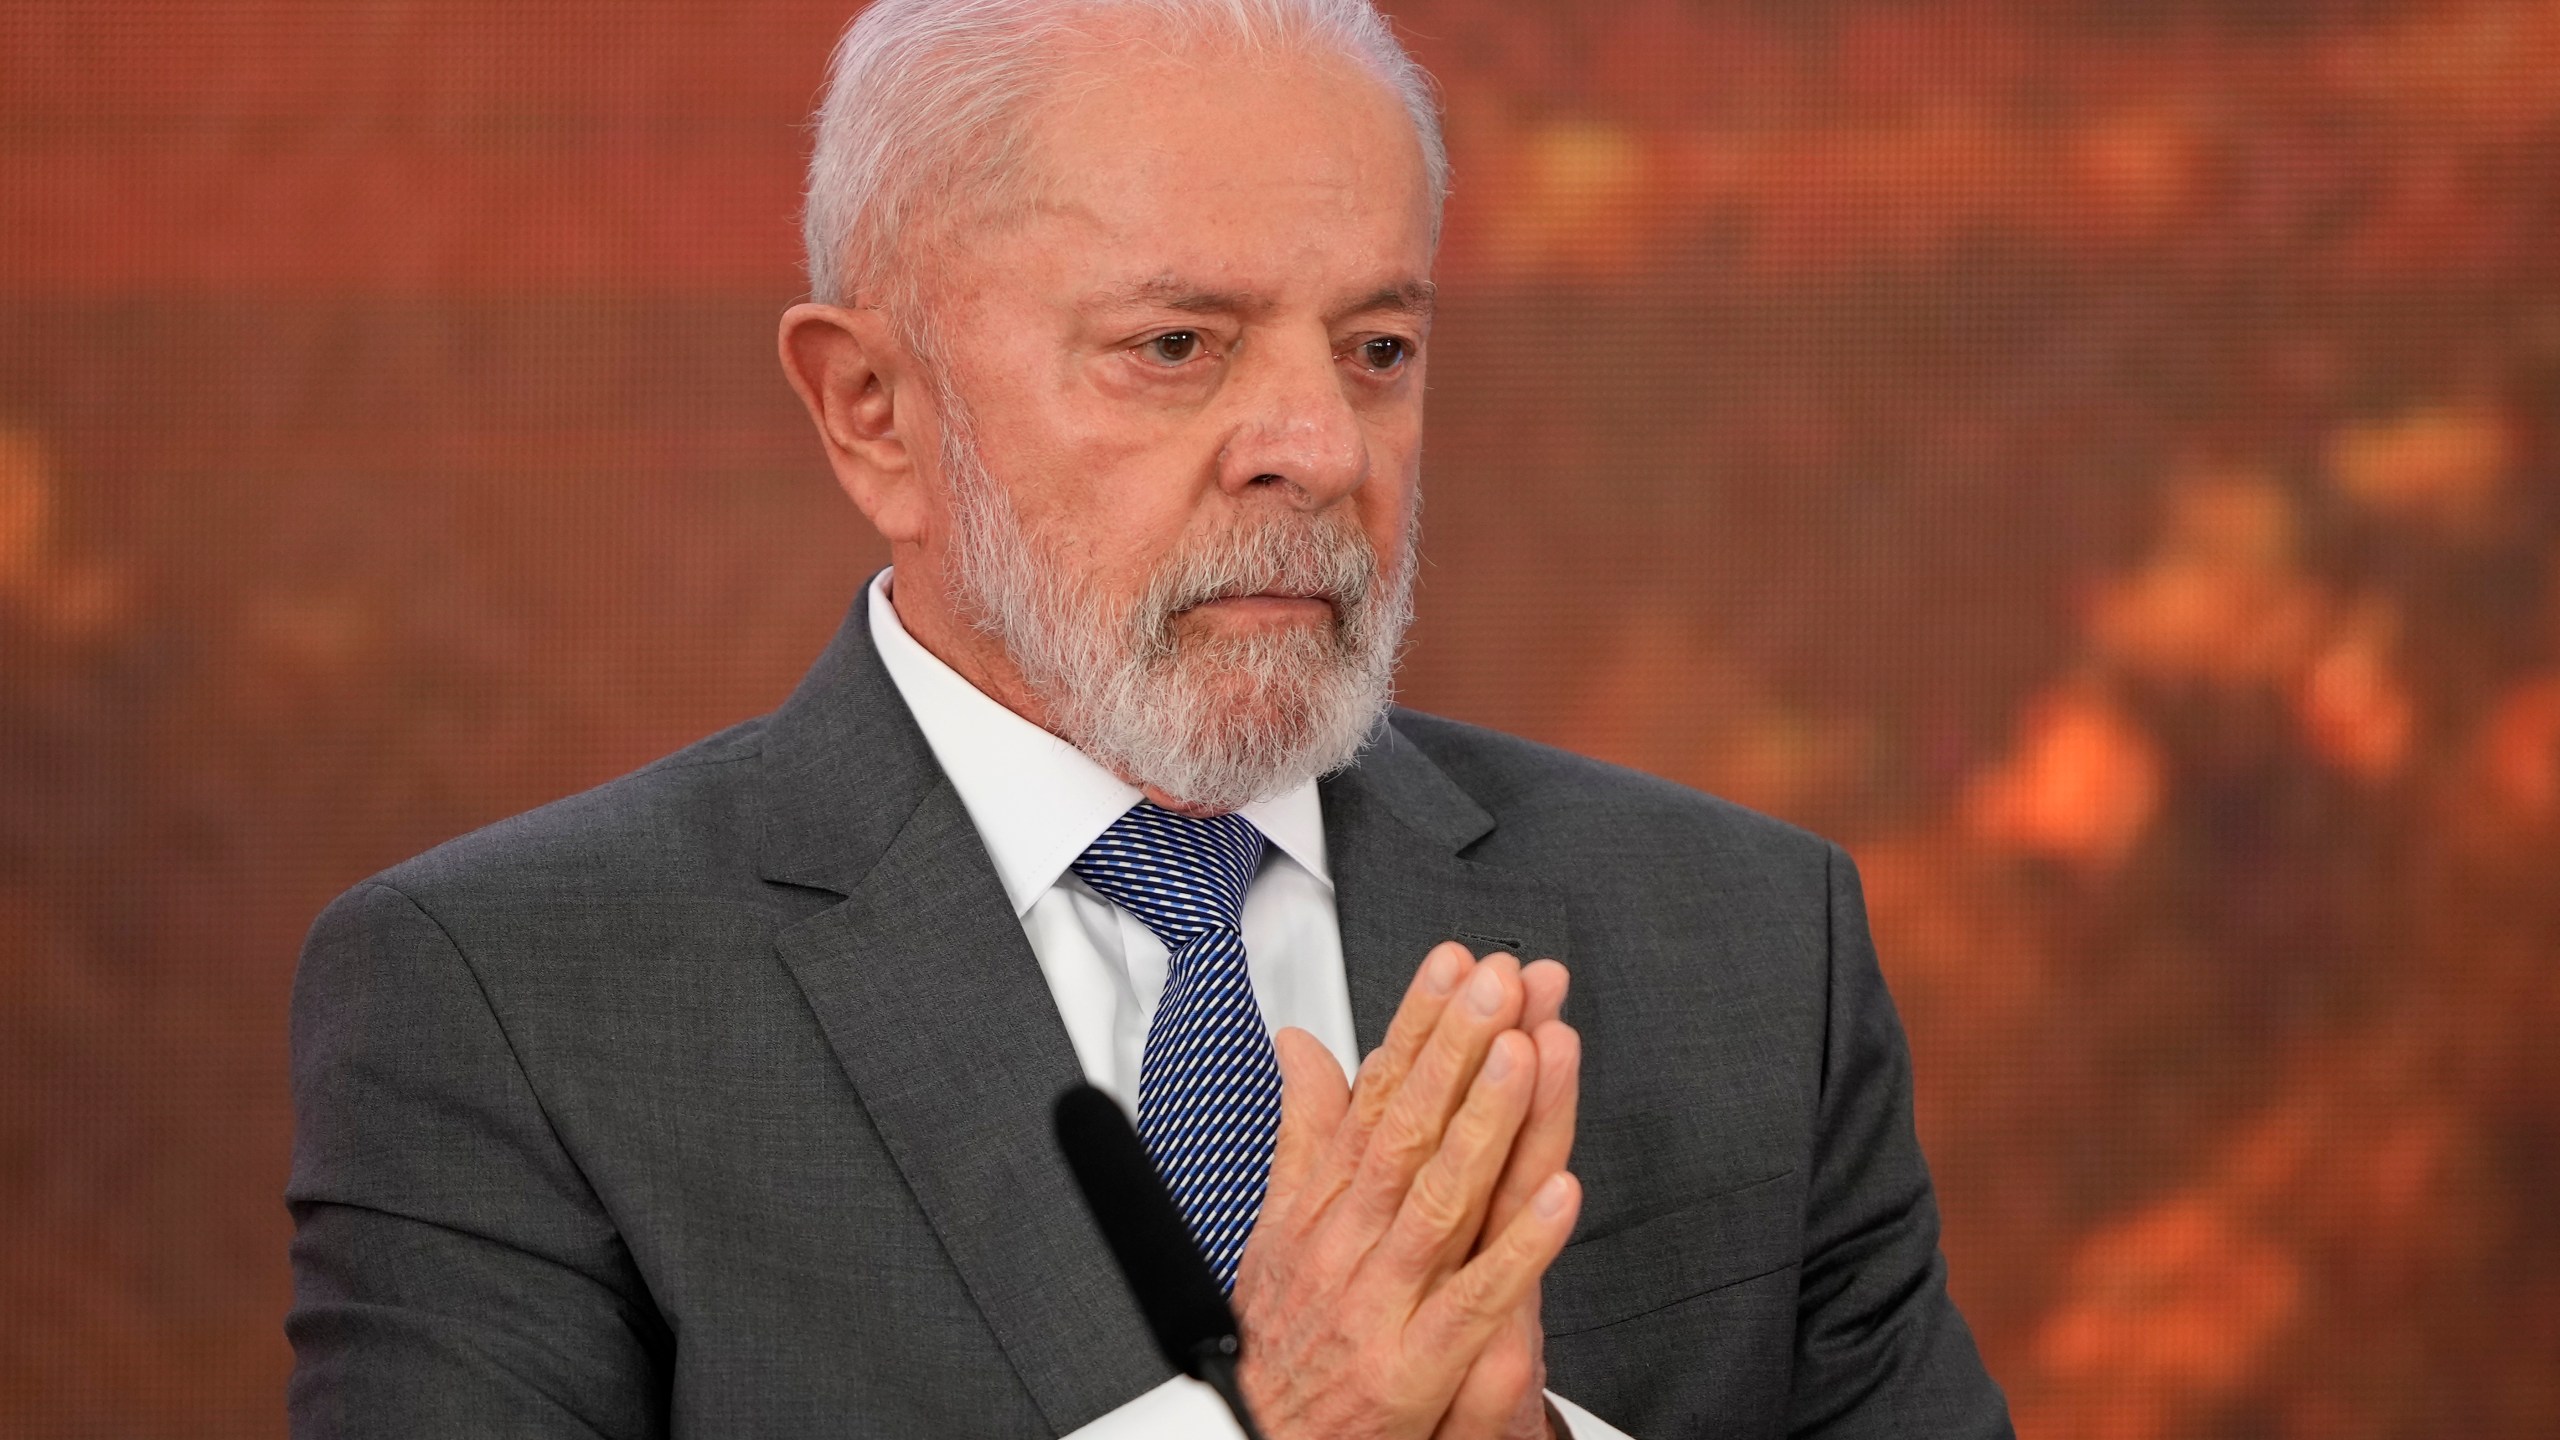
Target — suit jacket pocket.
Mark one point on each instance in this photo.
(1683, 1253)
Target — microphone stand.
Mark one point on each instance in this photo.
(1194, 1328)
(1213, 1363)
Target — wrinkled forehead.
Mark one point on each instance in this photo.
(1148, 140)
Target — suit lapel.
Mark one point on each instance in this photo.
(938, 1012)
(1395, 825)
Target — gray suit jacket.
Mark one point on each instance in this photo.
(715, 1102)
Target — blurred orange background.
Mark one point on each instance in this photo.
(2098, 458)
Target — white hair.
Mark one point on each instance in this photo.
(1218, 722)
(924, 99)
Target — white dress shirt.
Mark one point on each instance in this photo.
(1037, 803)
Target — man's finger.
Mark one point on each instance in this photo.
(1417, 1016)
(1445, 1206)
(1442, 971)
(1313, 1098)
(1543, 984)
(1410, 1130)
(1541, 1150)
(1543, 1147)
(1469, 1306)
(1545, 1143)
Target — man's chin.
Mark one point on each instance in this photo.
(1246, 710)
(1218, 731)
(1250, 716)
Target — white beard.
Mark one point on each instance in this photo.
(1215, 722)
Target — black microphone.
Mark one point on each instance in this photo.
(1181, 1300)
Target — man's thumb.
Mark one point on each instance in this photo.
(1314, 1097)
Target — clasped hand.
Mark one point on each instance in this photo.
(1390, 1287)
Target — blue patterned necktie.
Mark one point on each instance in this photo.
(1209, 1082)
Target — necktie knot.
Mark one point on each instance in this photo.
(1179, 875)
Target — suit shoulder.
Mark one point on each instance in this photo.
(664, 826)
(1527, 785)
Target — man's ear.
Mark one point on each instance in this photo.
(847, 366)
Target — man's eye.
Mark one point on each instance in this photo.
(1173, 347)
(1384, 353)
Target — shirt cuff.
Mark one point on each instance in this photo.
(1584, 1424)
(1179, 1407)
(1184, 1409)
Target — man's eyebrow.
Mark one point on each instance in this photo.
(1173, 293)
(1410, 297)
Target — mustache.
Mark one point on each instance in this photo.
(1316, 557)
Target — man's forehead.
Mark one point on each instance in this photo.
(1143, 143)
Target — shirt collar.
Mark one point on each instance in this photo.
(1037, 801)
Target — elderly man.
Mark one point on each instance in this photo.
(715, 1102)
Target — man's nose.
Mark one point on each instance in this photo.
(1296, 429)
